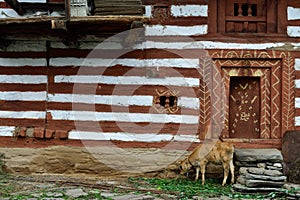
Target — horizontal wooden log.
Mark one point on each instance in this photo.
(119, 90)
(293, 3)
(130, 127)
(23, 122)
(112, 108)
(22, 105)
(22, 87)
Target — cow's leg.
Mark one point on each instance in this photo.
(203, 166)
(197, 173)
(231, 171)
(226, 171)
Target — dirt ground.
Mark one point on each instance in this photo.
(61, 187)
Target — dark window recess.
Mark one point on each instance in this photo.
(167, 102)
(245, 9)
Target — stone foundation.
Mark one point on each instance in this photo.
(260, 170)
(98, 161)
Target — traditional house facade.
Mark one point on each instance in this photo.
(149, 73)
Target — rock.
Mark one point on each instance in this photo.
(261, 171)
(242, 188)
(266, 178)
(134, 197)
(258, 155)
(75, 193)
(241, 180)
(261, 165)
(274, 168)
(279, 165)
(107, 195)
(243, 170)
(260, 183)
(291, 152)
(245, 164)
(54, 194)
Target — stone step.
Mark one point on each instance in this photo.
(258, 155)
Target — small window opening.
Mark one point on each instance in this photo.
(245, 9)
(168, 101)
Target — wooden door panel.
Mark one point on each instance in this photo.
(244, 107)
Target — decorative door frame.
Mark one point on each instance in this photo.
(276, 72)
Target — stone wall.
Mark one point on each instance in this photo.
(99, 161)
(260, 170)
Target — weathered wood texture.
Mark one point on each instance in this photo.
(118, 7)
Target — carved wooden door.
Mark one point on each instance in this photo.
(244, 107)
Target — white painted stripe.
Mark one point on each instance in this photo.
(102, 99)
(19, 62)
(201, 45)
(293, 31)
(187, 102)
(189, 10)
(23, 79)
(293, 13)
(148, 11)
(7, 130)
(23, 96)
(297, 83)
(25, 46)
(297, 64)
(122, 117)
(129, 80)
(297, 121)
(23, 114)
(129, 137)
(96, 62)
(297, 102)
(168, 30)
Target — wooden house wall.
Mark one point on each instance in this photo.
(48, 85)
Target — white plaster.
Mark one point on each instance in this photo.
(148, 11)
(122, 117)
(297, 102)
(297, 64)
(25, 46)
(20, 62)
(293, 31)
(23, 96)
(129, 137)
(188, 102)
(206, 45)
(102, 99)
(189, 10)
(170, 30)
(7, 131)
(297, 121)
(293, 13)
(23, 114)
(98, 62)
(128, 80)
(297, 83)
(23, 79)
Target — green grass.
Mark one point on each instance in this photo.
(185, 188)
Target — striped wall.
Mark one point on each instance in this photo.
(102, 98)
(23, 85)
(293, 17)
(176, 18)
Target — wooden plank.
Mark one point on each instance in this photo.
(22, 105)
(168, 128)
(271, 17)
(105, 89)
(221, 16)
(282, 16)
(212, 16)
(293, 3)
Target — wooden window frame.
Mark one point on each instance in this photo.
(276, 18)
